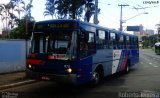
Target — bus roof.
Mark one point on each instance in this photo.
(57, 20)
(84, 23)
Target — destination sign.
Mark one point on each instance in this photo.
(65, 25)
(42, 26)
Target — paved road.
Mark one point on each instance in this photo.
(143, 80)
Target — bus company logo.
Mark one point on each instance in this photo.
(150, 2)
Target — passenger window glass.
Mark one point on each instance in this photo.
(91, 37)
(121, 38)
(127, 38)
(112, 36)
(101, 34)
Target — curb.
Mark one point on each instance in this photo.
(17, 84)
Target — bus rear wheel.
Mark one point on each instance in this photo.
(126, 70)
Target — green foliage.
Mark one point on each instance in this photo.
(69, 9)
(90, 10)
(20, 31)
(50, 8)
(15, 27)
(149, 41)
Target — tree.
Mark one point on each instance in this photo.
(9, 19)
(11, 15)
(69, 9)
(20, 31)
(24, 25)
(145, 41)
(28, 16)
(50, 9)
(19, 6)
(90, 10)
(28, 10)
(5, 16)
(1, 14)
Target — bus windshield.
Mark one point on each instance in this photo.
(56, 43)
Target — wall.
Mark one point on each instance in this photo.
(12, 55)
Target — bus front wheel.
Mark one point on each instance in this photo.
(96, 78)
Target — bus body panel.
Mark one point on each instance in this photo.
(103, 57)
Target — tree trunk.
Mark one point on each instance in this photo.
(73, 10)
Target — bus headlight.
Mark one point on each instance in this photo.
(30, 66)
(69, 70)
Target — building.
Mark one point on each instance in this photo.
(143, 32)
(149, 32)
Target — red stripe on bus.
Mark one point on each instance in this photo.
(34, 61)
(125, 61)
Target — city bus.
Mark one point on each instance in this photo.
(157, 48)
(76, 52)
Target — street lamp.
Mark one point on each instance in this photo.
(134, 16)
(124, 21)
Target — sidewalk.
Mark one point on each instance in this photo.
(13, 79)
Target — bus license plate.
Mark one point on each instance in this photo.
(45, 78)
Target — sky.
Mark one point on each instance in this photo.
(110, 12)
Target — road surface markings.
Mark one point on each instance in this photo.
(17, 84)
(153, 65)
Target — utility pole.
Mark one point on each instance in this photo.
(121, 20)
(96, 12)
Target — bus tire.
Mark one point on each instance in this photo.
(96, 78)
(97, 75)
(126, 70)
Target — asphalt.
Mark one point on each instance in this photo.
(8, 80)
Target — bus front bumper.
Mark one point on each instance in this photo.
(70, 78)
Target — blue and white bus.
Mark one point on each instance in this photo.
(77, 52)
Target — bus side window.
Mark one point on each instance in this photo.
(124, 42)
(121, 41)
(101, 43)
(136, 42)
(117, 46)
(131, 42)
(91, 43)
(112, 44)
(127, 42)
(106, 45)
